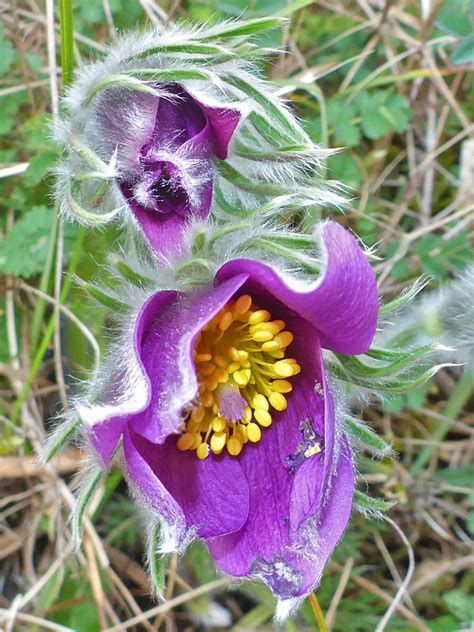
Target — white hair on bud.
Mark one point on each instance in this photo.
(286, 608)
(110, 112)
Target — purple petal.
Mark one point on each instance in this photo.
(343, 306)
(178, 119)
(223, 122)
(140, 473)
(212, 494)
(167, 356)
(299, 506)
(127, 389)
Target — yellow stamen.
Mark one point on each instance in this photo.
(240, 358)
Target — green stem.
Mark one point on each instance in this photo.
(37, 360)
(456, 402)
(67, 40)
(40, 306)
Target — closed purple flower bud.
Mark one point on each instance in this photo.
(171, 127)
(228, 422)
(170, 178)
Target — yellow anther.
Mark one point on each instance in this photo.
(240, 378)
(218, 441)
(243, 304)
(278, 401)
(260, 316)
(226, 321)
(272, 327)
(202, 451)
(263, 417)
(220, 361)
(260, 401)
(271, 345)
(197, 413)
(281, 324)
(207, 369)
(185, 442)
(284, 339)
(203, 357)
(283, 368)
(248, 414)
(219, 424)
(221, 375)
(233, 366)
(241, 433)
(234, 446)
(278, 355)
(262, 336)
(243, 356)
(282, 386)
(233, 353)
(254, 433)
(207, 399)
(197, 441)
(193, 426)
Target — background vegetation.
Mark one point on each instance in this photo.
(390, 82)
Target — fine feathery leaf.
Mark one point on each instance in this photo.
(240, 29)
(103, 298)
(367, 504)
(400, 361)
(357, 429)
(121, 81)
(83, 501)
(400, 385)
(157, 561)
(60, 438)
(131, 275)
(288, 124)
(404, 298)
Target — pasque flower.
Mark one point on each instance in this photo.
(227, 417)
(170, 127)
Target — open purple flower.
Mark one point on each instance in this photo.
(234, 438)
(165, 145)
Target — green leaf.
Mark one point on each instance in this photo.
(460, 605)
(340, 118)
(366, 503)
(382, 111)
(103, 298)
(7, 55)
(157, 561)
(83, 501)
(131, 275)
(60, 438)
(24, 250)
(39, 167)
(461, 476)
(366, 436)
(464, 53)
(453, 18)
(240, 29)
(344, 167)
(284, 119)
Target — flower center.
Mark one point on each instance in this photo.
(243, 373)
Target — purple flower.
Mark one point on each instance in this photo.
(167, 143)
(235, 436)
